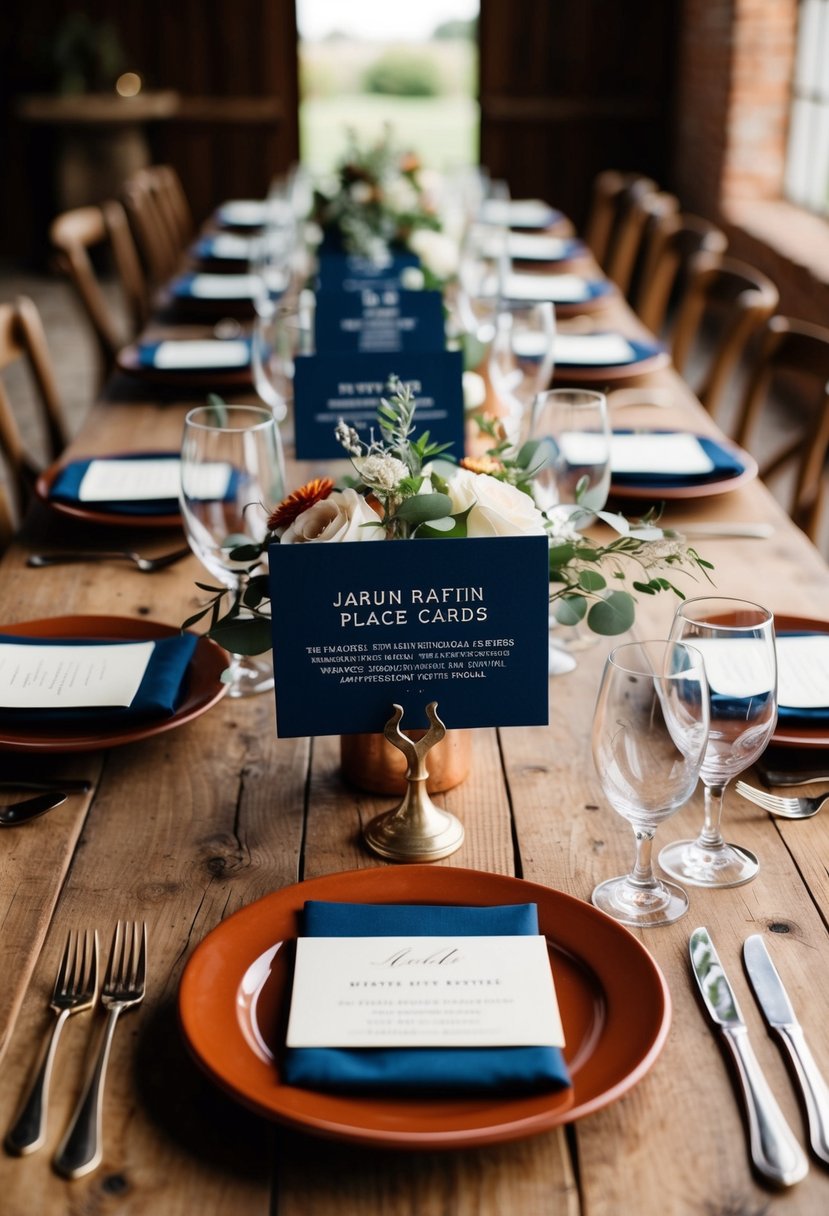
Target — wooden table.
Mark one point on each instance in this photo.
(187, 827)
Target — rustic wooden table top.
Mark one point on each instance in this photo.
(187, 827)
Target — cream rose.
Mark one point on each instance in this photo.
(498, 509)
(336, 518)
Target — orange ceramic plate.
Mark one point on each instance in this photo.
(788, 734)
(614, 1004)
(202, 684)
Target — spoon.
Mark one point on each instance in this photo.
(15, 813)
(147, 565)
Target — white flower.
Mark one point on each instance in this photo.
(381, 471)
(361, 193)
(498, 509)
(437, 251)
(400, 195)
(337, 518)
(474, 391)
(412, 278)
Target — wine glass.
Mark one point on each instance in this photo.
(736, 640)
(573, 460)
(278, 338)
(231, 473)
(650, 729)
(521, 360)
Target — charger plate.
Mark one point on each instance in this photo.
(792, 734)
(235, 991)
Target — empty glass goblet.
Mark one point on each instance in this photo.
(736, 640)
(279, 336)
(231, 473)
(650, 729)
(521, 360)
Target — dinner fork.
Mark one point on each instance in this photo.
(81, 1149)
(75, 989)
(784, 807)
(147, 565)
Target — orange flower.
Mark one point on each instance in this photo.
(482, 464)
(299, 501)
(409, 162)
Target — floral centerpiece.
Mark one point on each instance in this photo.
(378, 197)
(405, 488)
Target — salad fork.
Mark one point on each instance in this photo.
(75, 989)
(147, 565)
(784, 807)
(81, 1149)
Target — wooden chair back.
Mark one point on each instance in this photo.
(22, 337)
(74, 234)
(160, 251)
(6, 521)
(670, 242)
(173, 204)
(800, 348)
(642, 211)
(612, 190)
(738, 300)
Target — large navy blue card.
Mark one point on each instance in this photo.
(384, 320)
(334, 386)
(350, 272)
(359, 627)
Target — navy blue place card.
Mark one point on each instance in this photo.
(377, 321)
(359, 627)
(350, 272)
(334, 386)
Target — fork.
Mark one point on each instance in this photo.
(81, 1149)
(75, 989)
(147, 565)
(784, 807)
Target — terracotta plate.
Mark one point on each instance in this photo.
(791, 734)
(698, 489)
(89, 513)
(614, 1003)
(650, 357)
(202, 684)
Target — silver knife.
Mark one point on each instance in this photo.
(778, 1012)
(774, 1151)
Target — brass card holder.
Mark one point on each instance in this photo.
(416, 829)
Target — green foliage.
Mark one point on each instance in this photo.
(401, 73)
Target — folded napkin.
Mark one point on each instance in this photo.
(185, 355)
(216, 287)
(798, 715)
(225, 247)
(558, 288)
(67, 484)
(456, 1069)
(520, 213)
(724, 463)
(157, 697)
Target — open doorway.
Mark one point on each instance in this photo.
(414, 68)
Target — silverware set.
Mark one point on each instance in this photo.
(50, 794)
(147, 565)
(76, 990)
(775, 1152)
(785, 807)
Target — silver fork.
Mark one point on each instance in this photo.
(784, 807)
(76, 986)
(81, 1149)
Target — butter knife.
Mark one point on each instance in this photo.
(778, 1012)
(775, 1153)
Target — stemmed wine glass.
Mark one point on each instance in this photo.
(521, 360)
(736, 640)
(650, 729)
(231, 473)
(279, 336)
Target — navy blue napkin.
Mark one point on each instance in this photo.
(795, 715)
(157, 697)
(726, 464)
(66, 488)
(455, 1069)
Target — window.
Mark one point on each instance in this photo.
(807, 163)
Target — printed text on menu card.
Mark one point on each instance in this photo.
(71, 677)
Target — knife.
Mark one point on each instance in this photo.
(778, 1012)
(774, 1151)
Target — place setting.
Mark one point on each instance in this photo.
(194, 363)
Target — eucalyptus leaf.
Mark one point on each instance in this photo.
(592, 580)
(424, 507)
(245, 553)
(244, 635)
(570, 610)
(457, 530)
(613, 615)
(192, 620)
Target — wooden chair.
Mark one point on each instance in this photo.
(611, 193)
(728, 302)
(173, 204)
(154, 236)
(670, 243)
(73, 235)
(22, 337)
(643, 211)
(802, 350)
(6, 520)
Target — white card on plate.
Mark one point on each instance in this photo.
(736, 667)
(560, 288)
(531, 247)
(148, 480)
(599, 350)
(224, 286)
(71, 677)
(246, 212)
(423, 992)
(201, 353)
(232, 247)
(803, 671)
(517, 212)
(675, 454)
